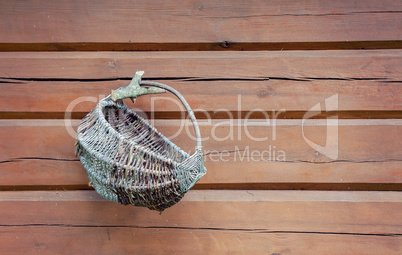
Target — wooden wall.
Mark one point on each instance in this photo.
(249, 69)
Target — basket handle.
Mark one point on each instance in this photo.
(134, 90)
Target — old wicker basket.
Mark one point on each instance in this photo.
(127, 160)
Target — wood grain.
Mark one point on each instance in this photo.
(199, 21)
(206, 97)
(216, 54)
(367, 82)
(120, 240)
(285, 222)
(302, 211)
(368, 154)
(382, 65)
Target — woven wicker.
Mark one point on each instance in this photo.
(128, 161)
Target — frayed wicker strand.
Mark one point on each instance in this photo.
(128, 161)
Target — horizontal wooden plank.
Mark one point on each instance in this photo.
(367, 82)
(369, 154)
(284, 222)
(322, 211)
(206, 21)
(382, 65)
(122, 240)
(364, 213)
(44, 174)
(223, 135)
(205, 97)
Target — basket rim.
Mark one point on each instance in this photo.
(101, 117)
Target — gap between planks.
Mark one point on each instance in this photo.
(220, 196)
(213, 46)
(217, 115)
(221, 122)
(204, 185)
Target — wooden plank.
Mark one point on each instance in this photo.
(222, 135)
(206, 96)
(364, 213)
(48, 240)
(43, 174)
(369, 153)
(294, 81)
(207, 21)
(122, 240)
(322, 211)
(382, 65)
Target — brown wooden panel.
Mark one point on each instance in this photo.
(41, 153)
(294, 81)
(325, 212)
(199, 21)
(299, 211)
(41, 173)
(260, 222)
(233, 96)
(285, 222)
(123, 240)
(382, 65)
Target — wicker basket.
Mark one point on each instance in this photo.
(127, 160)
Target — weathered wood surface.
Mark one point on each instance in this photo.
(246, 203)
(122, 240)
(382, 65)
(260, 222)
(42, 153)
(209, 96)
(368, 83)
(199, 21)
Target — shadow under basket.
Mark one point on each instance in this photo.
(128, 161)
